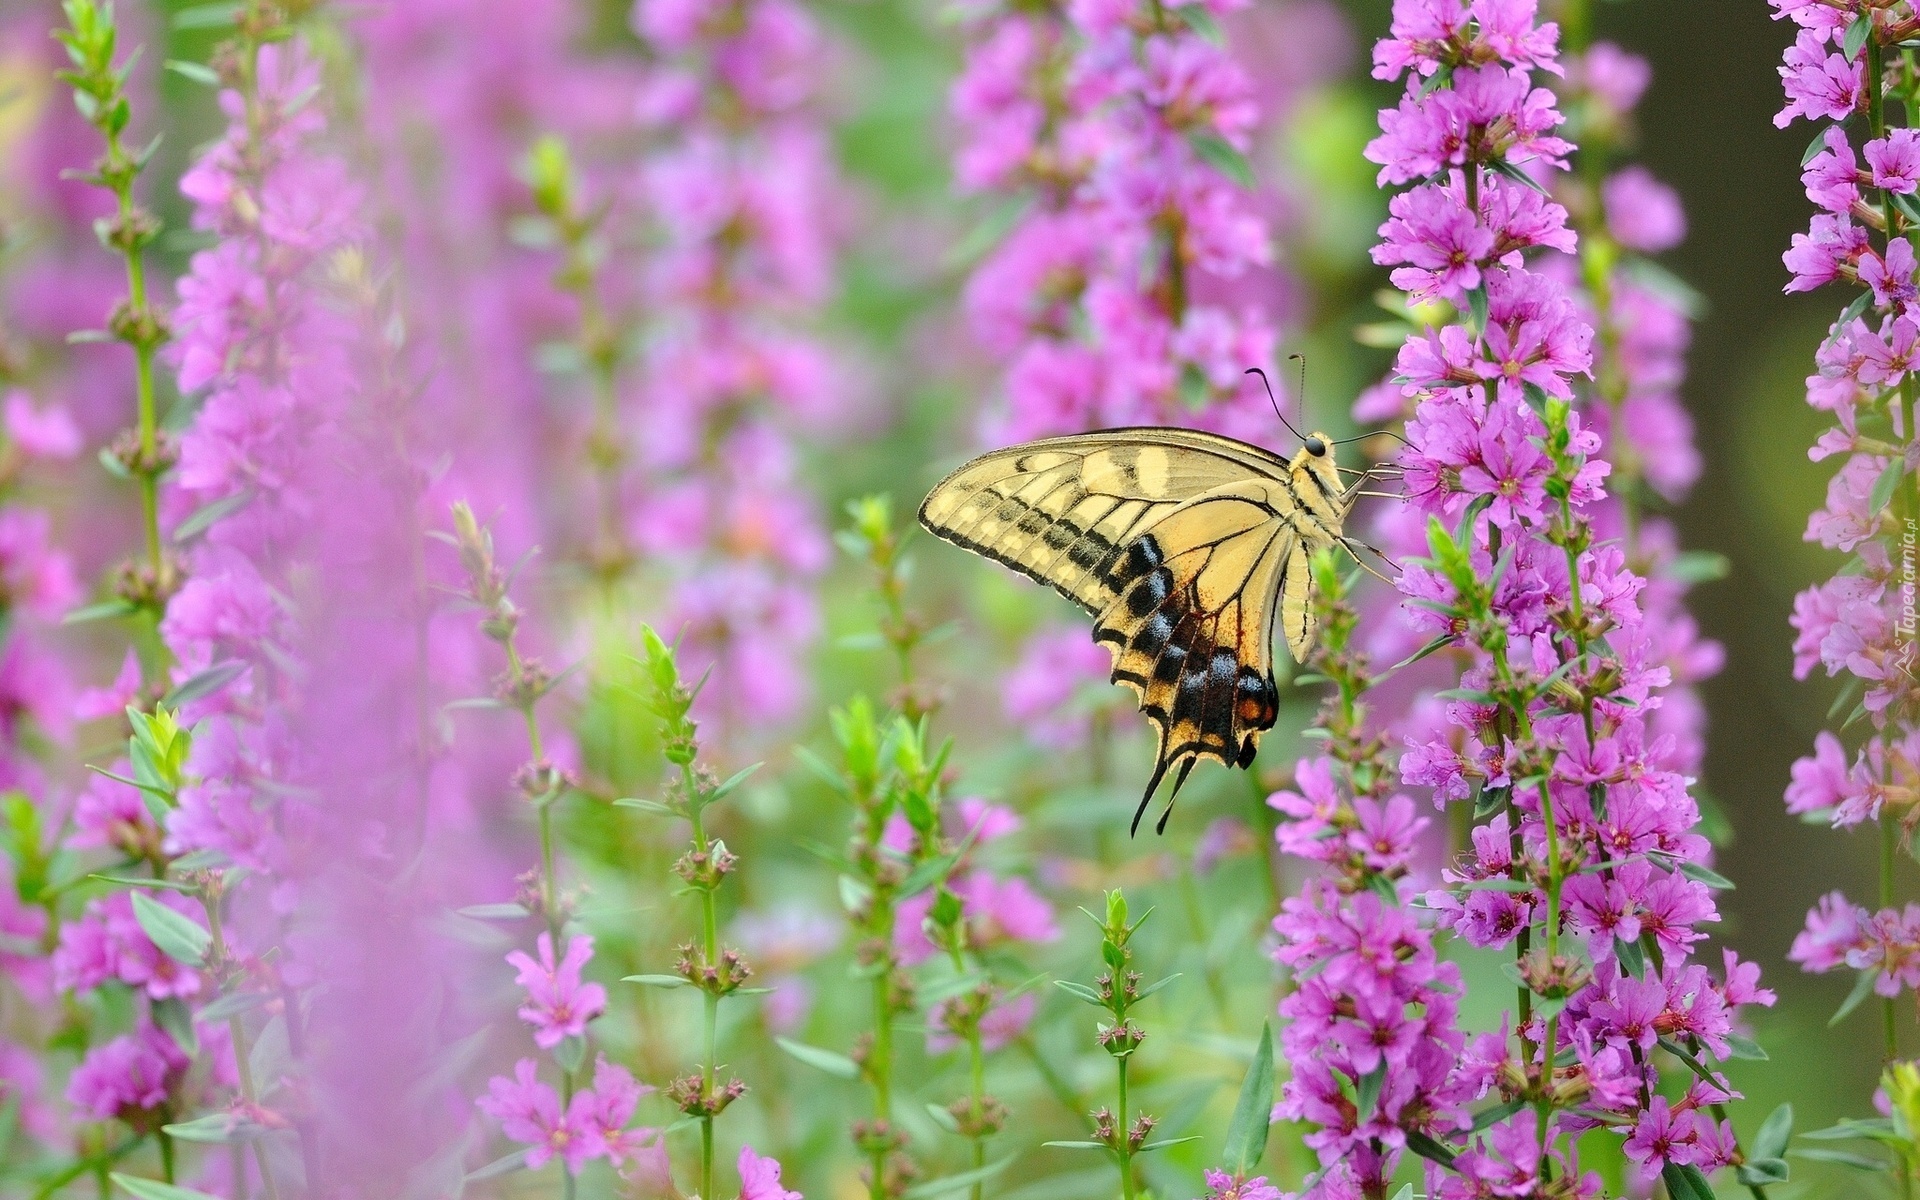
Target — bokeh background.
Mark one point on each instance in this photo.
(1705, 127)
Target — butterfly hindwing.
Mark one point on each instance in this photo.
(1188, 548)
(1190, 630)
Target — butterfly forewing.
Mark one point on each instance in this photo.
(1186, 547)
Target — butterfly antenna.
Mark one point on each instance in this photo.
(1361, 437)
(1186, 768)
(1276, 402)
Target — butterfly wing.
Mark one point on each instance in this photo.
(1191, 628)
(1063, 510)
(1186, 547)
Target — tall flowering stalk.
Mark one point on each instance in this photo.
(579, 1121)
(739, 192)
(578, 226)
(98, 78)
(1849, 60)
(1121, 1130)
(715, 970)
(1124, 126)
(1583, 860)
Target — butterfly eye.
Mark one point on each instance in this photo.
(1316, 447)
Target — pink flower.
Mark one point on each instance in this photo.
(127, 1077)
(40, 433)
(1642, 213)
(1893, 162)
(760, 1178)
(529, 1111)
(558, 1004)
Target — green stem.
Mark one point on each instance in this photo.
(1889, 842)
(242, 1052)
(710, 1010)
(1120, 1130)
(166, 1155)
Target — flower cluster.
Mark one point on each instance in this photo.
(739, 193)
(1109, 299)
(1858, 625)
(1585, 838)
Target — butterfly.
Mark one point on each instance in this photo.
(1187, 548)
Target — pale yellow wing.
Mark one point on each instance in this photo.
(1062, 510)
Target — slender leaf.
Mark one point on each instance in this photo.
(1711, 878)
(1770, 1140)
(1685, 1183)
(153, 1189)
(1080, 990)
(499, 1166)
(955, 1183)
(1252, 1112)
(1745, 1047)
(178, 936)
(1884, 486)
(1221, 155)
(1862, 988)
(825, 1060)
(164, 885)
(1760, 1172)
(508, 911)
(1426, 1147)
(214, 1128)
(198, 72)
(233, 1004)
(1163, 1143)
(206, 683)
(659, 981)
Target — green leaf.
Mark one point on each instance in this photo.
(1163, 1143)
(206, 16)
(659, 981)
(104, 611)
(1857, 34)
(1633, 960)
(1759, 1172)
(1220, 154)
(1814, 147)
(1253, 1111)
(1369, 1091)
(1080, 990)
(217, 1127)
(1862, 988)
(955, 1183)
(1699, 566)
(1770, 1140)
(941, 1117)
(1197, 18)
(499, 1166)
(825, 1060)
(1155, 986)
(1426, 1147)
(1685, 1183)
(1487, 1118)
(233, 1004)
(153, 1189)
(1854, 311)
(177, 935)
(206, 683)
(1439, 643)
(1518, 176)
(1906, 207)
(644, 805)
(508, 911)
(1845, 1158)
(1437, 80)
(976, 244)
(1706, 875)
(1883, 487)
(1076, 1145)
(733, 781)
(205, 518)
(198, 72)
(1517, 887)
(165, 885)
(173, 1016)
(1740, 1046)
(1405, 1192)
